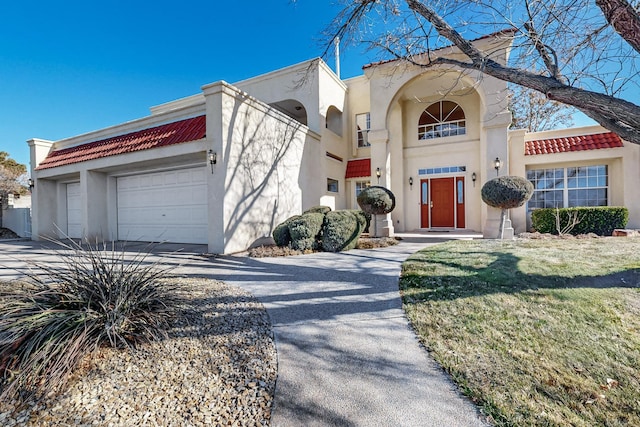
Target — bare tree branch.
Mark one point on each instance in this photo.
(615, 114)
(624, 19)
(545, 52)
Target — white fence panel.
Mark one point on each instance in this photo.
(17, 220)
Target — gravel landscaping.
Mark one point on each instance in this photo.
(5, 233)
(218, 367)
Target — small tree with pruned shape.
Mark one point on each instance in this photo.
(376, 200)
(506, 192)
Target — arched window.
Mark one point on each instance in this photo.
(441, 119)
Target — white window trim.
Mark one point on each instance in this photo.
(439, 124)
(365, 132)
(565, 187)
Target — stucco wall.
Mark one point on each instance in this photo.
(622, 163)
(399, 93)
(258, 181)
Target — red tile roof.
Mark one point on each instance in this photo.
(573, 143)
(358, 168)
(159, 136)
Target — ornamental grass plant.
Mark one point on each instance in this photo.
(93, 296)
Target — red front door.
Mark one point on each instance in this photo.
(442, 202)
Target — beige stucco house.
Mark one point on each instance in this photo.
(225, 166)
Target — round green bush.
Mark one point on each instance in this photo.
(363, 218)
(281, 234)
(507, 192)
(319, 209)
(305, 231)
(376, 200)
(341, 229)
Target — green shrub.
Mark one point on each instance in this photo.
(376, 200)
(506, 192)
(281, 234)
(341, 229)
(90, 298)
(363, 218)
(599, 220)
(318, 209)
(305, 231)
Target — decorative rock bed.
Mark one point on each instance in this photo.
(218, 367)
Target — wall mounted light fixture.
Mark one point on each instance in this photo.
(378, 174)
(213, 158)
(410, 182)
(31, 183)
(497, 164)
(473, 178)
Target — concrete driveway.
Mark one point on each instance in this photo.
(346, 353)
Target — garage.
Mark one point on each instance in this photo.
(168, 206)
(74, 211)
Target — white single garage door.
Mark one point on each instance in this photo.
(74, 211)
(163, 206)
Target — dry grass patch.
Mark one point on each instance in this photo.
(537, 332)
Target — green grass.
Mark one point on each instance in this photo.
(536, 332)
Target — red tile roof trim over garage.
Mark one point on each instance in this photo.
(572, 143)
(186, 130)
(358, 168)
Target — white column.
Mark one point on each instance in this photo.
(495, 146)
(43, 193)
(218, 111)
(381, 163)
(94, 188)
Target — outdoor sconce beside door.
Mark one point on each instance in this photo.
(378, 174)
(497, 164)
(213, 158)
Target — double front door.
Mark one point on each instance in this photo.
(442, 203)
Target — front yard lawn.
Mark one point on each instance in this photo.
(536, 332)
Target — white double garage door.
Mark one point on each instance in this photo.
(169, 206)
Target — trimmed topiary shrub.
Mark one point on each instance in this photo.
(321, 228)
(318, 209)
(281, 234)
(341, 229)
(506, 192)
(305, 231)
(601, 220)
(376, 200)
(363, 218)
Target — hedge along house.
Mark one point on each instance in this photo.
(225, 166)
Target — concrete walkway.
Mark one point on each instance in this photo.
(346, 354)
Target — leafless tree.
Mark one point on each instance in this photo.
(531, 110)
(587, 52)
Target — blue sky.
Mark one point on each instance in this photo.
(74, 66)
(71, 67)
